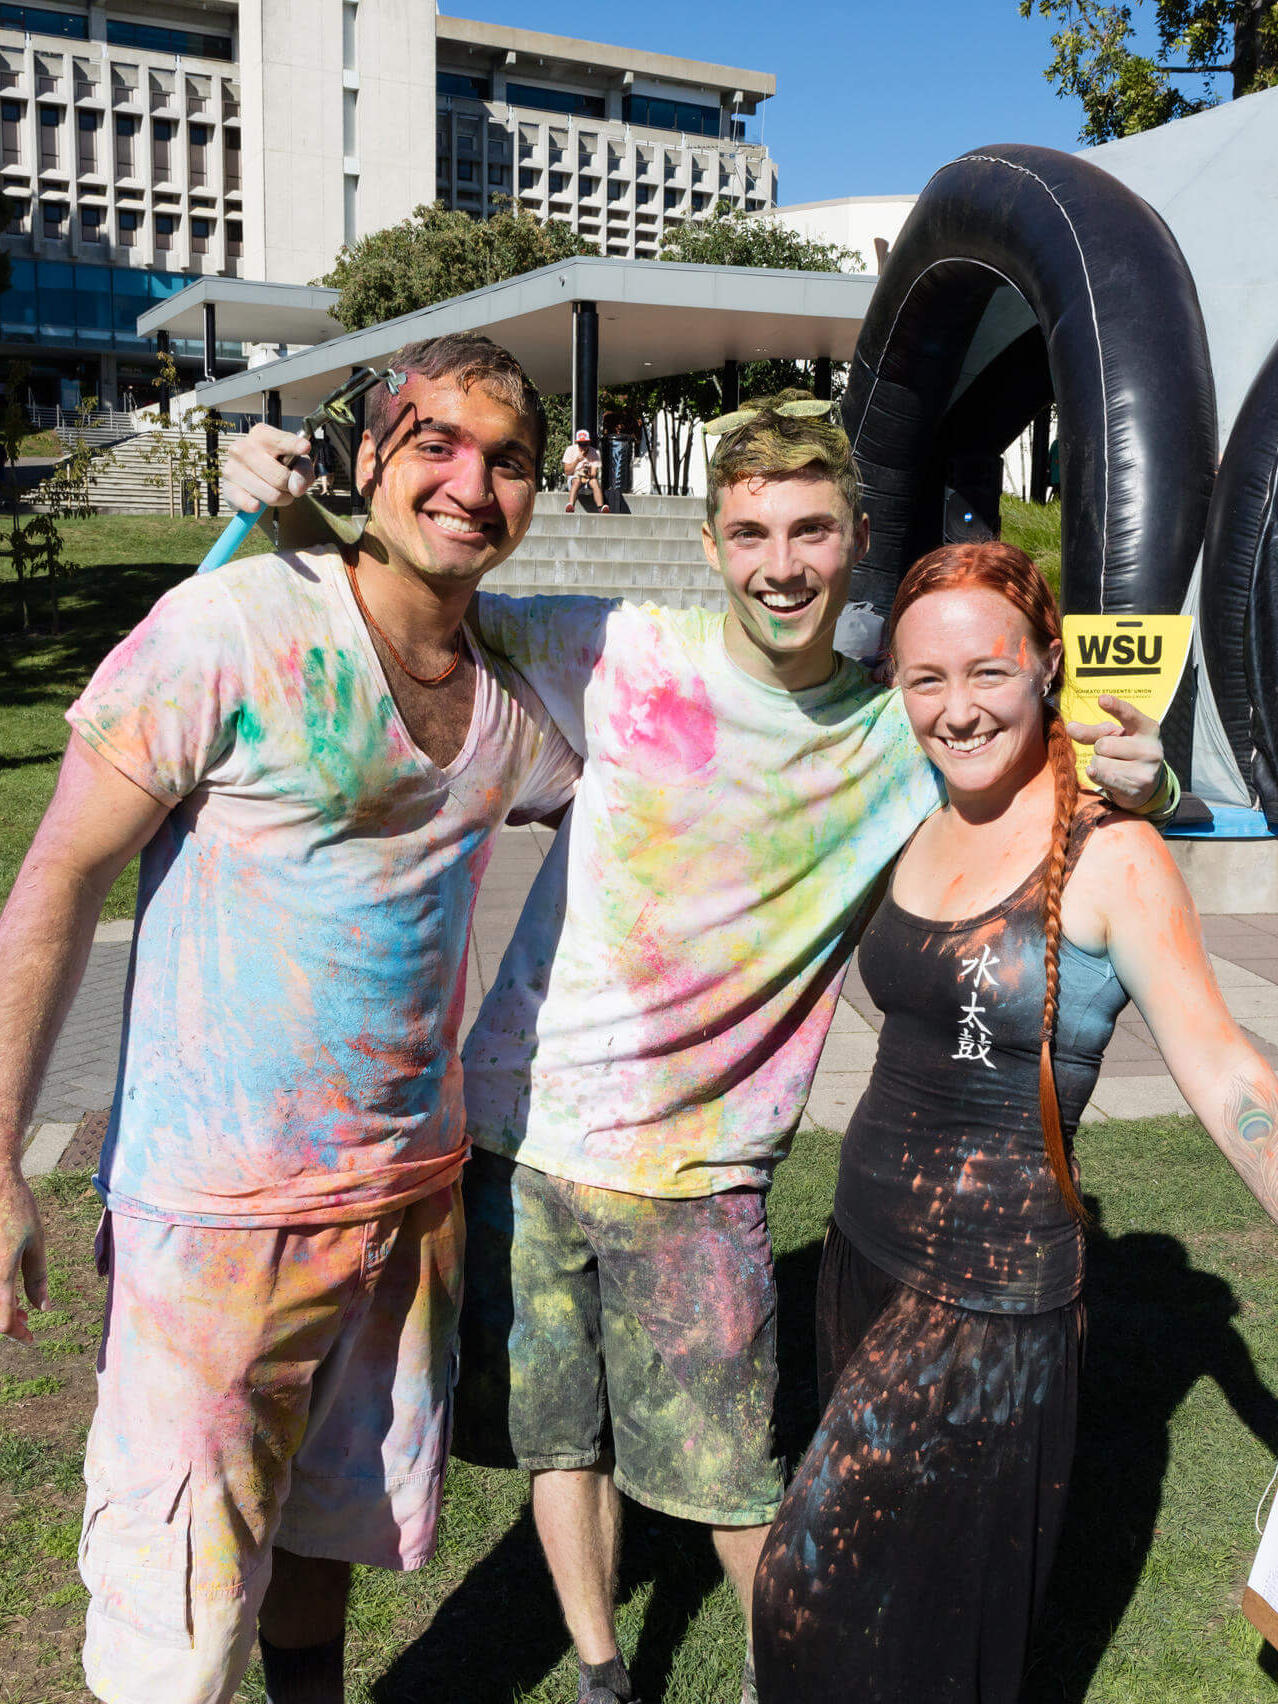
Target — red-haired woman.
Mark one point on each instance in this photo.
(913, 1547)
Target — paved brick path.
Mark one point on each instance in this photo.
(1133, 1082)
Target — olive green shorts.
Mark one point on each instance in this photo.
(597, 1322)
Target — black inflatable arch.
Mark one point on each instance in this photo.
(1238, 606)
(1119, 343)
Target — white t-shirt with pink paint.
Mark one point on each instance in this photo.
(656, 1023)
(298, 972)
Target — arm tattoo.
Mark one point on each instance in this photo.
(1251, 1139)
(1252, 1112)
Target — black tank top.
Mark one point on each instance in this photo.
(944, 1182)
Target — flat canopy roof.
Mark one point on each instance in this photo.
(655, 318)
(247, 312)
(530, 48)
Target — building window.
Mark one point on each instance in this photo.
(91, 224)
(350, 144)
(37, 21)
(660, 114)
(165, 229)
(162, 146)
(155, 38)
(350, 208)
(643, 194)
(498, 175)
(672, 198)
(588, 185)
(124, 85)
(53, 213)
(528, 176)
(129, 223)
(50, 118)
(198, 136)
(700, 203)
(467, 87)
(555, 100)
(559, 183)
(616, 189)
(87, 126)
(231, 161)
(198, 90)
(465, 171)
(11, 131)
(18, 211)
(126, 128)
(201, 231)
(234, 239)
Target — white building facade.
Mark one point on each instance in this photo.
(146, 143)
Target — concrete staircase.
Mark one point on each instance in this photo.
(652, 555)
(133, 485)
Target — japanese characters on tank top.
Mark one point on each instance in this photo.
(944, 1180)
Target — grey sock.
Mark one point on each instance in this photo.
(610, 1676)
(311, 1674)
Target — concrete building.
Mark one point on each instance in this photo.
(147, 143)
(619, 144)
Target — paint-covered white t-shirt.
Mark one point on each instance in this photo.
(656, 1022)
(298, 971)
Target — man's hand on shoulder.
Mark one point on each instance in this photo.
(255, 472)
(22, 1261)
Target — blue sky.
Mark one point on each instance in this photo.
(871, 96)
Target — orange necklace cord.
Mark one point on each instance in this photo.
(371, 619)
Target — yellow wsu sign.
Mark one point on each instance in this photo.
(1137, 657)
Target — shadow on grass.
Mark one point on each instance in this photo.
(99, 605)
(1155, 1326)
(469, 1656)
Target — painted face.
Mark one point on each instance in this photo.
(458, 475)
(786, 549)
(972, 680)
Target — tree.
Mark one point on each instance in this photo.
(1123, 91)
(182, 447)
(438, 252)
(729, 237)
(35, 544)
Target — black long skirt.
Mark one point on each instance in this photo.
(911, 1554)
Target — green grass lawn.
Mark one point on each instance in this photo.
(1036, 529)
(1178, 1432)
(124, 563)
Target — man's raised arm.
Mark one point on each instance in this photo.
(97, 821)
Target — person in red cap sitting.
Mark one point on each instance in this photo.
(582, 465)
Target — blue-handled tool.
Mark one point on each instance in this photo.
(335, 406)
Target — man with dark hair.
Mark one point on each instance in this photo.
(313, 757)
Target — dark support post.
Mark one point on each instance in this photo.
(731, 386)
(823, 379)
(1040, 437)
(210, 341)
(358, 505)
(211, 460)
(272, 412)
(162, 348)
(585, 368)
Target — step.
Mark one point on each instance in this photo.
(587, 576)
(616, 550)
(671, 597)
